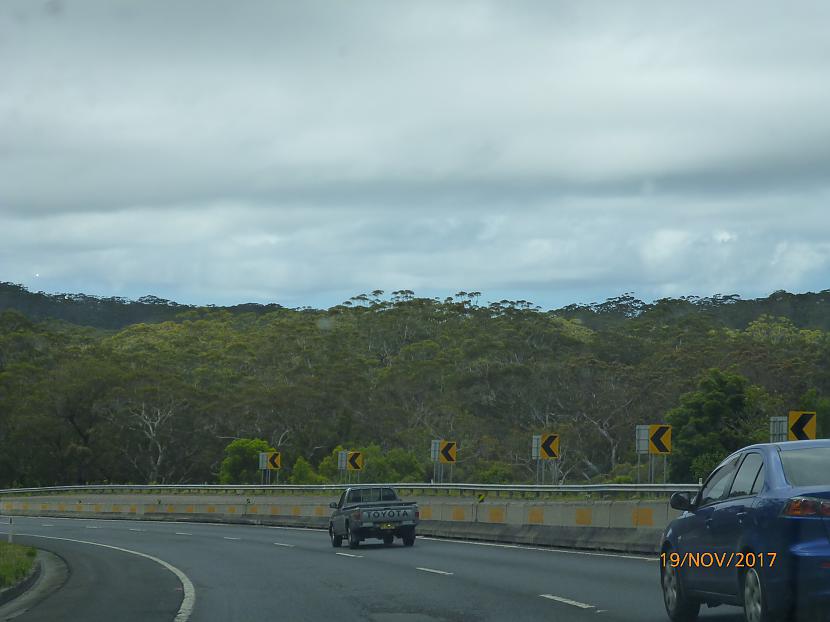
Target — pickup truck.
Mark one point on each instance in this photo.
(372, 512)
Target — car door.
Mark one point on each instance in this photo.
(697, 538)
(731, 518)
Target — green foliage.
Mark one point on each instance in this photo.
(812, 401)
(711, 422)
(303, 473)
(151, 394)
(15, 563)
(241, 462)
(495, 473)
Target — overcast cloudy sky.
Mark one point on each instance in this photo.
(305, 152)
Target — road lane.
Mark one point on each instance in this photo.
(105, 584)
(241, 572)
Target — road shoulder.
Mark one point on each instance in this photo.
(50, 574)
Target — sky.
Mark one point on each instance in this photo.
(304, 152)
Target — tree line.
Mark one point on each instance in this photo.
(161, 400)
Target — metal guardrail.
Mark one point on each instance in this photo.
(448, 488)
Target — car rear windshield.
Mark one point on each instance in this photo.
(370, 495)
(807, 467)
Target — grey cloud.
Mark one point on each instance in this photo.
(218, 151)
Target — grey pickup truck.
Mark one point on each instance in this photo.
(372, 512)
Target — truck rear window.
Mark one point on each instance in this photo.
(807, 467)
(371, 495)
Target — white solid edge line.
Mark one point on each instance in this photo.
(348, 555)
(189, 598)
(432, 570)
(567, 601)
(540, 548)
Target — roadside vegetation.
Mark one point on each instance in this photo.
(15, 563)
(154, 392)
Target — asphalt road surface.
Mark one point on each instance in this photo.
(222, 573)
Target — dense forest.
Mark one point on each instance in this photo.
(112, 390)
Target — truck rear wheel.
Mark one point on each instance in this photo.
(354, 539)
(409, 538)
(336, 541)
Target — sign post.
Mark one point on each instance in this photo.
(778, 429)
(641, 444)
(549, 451)
(269, 461)
(435, 447)
(535, 445)
(342, 457)
(659, 444)
(447, 452)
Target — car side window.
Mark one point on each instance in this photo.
(759, 481)
(747, 474)
(718, 485)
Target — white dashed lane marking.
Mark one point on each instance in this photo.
(567, 601)
(348, 555)
(290, 546)
(229, 538)
(433, 571)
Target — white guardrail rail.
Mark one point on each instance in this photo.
(604, 489)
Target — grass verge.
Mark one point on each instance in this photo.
(15, 563)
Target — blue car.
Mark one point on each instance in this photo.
(756, 535)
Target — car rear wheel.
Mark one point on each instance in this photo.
(679, 606)
(336, 541)
(755, 599)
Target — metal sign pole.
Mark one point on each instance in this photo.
(665, 467)
(638, 467)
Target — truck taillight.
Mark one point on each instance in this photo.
(417, 514)
(806, 506)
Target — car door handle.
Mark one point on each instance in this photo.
(708, 523)
(741, 516)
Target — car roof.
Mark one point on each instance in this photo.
(788, 445)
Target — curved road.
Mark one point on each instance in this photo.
(248, 573)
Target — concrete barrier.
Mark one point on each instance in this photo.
(630, 526)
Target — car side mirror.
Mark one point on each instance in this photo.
(333, 505)
(681, 501)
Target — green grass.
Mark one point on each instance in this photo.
(15, 563)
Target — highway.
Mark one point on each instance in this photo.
(211, 572)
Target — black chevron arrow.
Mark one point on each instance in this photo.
(446, 451)
(353, 460)
(547, 446)
(797, 428)
(657, 439)
(274, 460)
